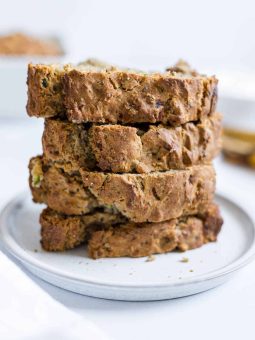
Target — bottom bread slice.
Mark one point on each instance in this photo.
(110, 235)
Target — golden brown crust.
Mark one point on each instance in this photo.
(153, 197)
(45, 90)
(21, 44)
(120, 149)
(119, 96)
(109, 236)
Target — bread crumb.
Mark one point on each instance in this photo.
(150, 258)
(184, 260)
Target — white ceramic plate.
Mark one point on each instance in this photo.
(130, 279)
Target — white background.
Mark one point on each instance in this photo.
(218, 33)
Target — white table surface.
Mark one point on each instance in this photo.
(227, 312)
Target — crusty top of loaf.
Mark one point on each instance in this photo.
(96, 92)
(180, 70)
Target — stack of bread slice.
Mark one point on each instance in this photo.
(127, 158)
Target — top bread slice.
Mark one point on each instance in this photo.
(98, 93)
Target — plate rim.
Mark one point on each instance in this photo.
(12, 247)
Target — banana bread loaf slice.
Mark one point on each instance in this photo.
(99, 93)
(153, 197)
(61, 232)
(109, 236)
(118, 148)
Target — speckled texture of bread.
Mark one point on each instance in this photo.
(153, 197)
(45, 90)
(109, 236)
(63, 192)
(105, 94)
(120, 149)
(61, 232)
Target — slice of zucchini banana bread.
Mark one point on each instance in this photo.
(61, 232)
(108, 235)
(153, 197)
(120, 149)
(99, 93)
